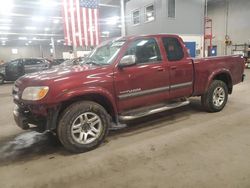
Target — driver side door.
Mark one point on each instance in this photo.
(145, 83)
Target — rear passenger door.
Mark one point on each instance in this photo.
(181, 68)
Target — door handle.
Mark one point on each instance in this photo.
(160, 69)
(174, 67)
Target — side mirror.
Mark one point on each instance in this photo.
(127, 60)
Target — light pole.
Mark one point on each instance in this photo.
(123, 27)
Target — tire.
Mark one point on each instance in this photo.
(1, 79)
(83, 126)
(215, 99)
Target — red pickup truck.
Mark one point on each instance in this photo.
(121, 80)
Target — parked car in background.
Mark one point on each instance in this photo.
(56, 62)
(2, 72)
(14, 69)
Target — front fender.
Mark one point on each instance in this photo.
(79, 92)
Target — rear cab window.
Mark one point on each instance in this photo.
(173, 48)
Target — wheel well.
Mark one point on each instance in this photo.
(226, 78)
(103, 101)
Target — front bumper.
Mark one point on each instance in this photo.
(26, 119)
(32, 115)
(20, 119)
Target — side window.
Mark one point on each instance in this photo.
(32, 61)
(149, 13)
(28, 62)
(37, 61)
(145, 50)
(136, 17)
(14, 63)
(173, 48)
(171, 8)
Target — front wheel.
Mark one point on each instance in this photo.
(215, 99)
(83, 126)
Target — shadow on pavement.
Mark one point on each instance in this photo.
(28, 145)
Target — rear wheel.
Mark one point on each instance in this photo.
(83, 126)
(215, 99)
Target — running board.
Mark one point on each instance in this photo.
(138, 113)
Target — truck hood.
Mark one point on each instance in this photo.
(53, 74)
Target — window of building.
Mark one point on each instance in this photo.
(136, 17)
(171, 8)
(149, 13)
(173, 48)
(146, 51)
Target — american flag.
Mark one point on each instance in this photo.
(81, 22)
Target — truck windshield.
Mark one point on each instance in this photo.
(105, 54)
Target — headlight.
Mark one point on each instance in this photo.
(35, 93)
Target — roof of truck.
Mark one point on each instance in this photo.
(148, 35)
(132, 37)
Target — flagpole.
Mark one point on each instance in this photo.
(123, 27)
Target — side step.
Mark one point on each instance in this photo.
(141, 112)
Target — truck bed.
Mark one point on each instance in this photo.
(206, 68)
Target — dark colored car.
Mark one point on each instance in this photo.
(121, 80)
(16, 68)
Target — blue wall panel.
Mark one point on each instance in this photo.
(191, 46)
